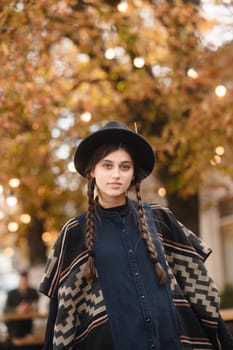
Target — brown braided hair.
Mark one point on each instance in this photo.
(100, 153)
(161, 274)
(90, 271)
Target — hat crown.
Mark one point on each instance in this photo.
(115, 125)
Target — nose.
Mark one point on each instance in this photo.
(116, 173)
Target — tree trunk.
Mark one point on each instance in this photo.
(37, 249)
(186, 210)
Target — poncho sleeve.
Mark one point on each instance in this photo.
(195, 294)
(200, 246)
(68, 245)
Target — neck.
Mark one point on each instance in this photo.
(111, 203)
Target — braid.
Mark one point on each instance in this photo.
(90, 271)
(161, 274)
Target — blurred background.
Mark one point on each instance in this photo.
(68, 67)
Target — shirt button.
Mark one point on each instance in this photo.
(123, 230)
(153, 346)
(142, 296)
(136, 273)
(148, 319)
(130, 251)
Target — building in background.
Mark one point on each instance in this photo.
(216, 227)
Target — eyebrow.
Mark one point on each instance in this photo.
(123, 162)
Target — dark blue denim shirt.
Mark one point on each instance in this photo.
(141, 311)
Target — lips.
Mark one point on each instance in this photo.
(115, 184)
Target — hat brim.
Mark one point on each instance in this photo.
(145, 156)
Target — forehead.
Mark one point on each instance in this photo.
(118, 155)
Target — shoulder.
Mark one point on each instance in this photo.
(74, 223)
(70, 240)
(73, 226)
(169, 228)
(172, 231)
(13, 292)
(159, 209)
(163, 216)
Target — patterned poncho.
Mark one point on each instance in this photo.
(80, 312)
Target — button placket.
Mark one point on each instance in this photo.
(131, 253)
(140, 288)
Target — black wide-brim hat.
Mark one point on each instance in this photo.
(115, 132)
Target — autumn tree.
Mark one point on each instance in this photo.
(138, 61)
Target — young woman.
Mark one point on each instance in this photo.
(125, 274)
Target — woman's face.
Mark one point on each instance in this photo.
(113, 175)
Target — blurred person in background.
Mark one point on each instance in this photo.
(21, 301)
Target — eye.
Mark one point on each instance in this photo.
(107, 165)
(125, 167)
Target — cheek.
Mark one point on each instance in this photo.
(130, 179)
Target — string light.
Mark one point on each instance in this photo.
(25, 218)
(46, 236)
(139, 62)
(162, 192)
(122, 6)
(217, 159)
(220, 90)
(110, 54)
(192, 73)
(11, 201)
(219, 150)
(71, 167)
(13, 226)
(85, 117)
(14, 182)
